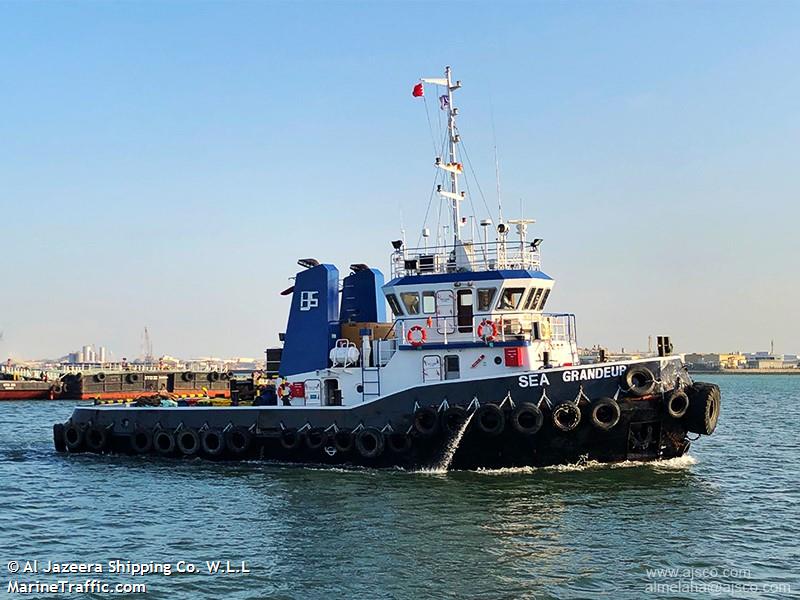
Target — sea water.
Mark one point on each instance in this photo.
(726, 518)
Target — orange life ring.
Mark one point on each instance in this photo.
(423, 335)
(488, 337)
(284, 390)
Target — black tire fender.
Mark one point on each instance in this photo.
(290, 439)
(73, 437)
(58, 437)
(398, 442)
(490, 419)
(188, 442)
(453, 418)
(212, 442)
(426, 421)
(370, 442)
(315, 438)
(677, 404)
(142, 441)
(238, 440)
(343, 441)
(705, 404)
(605, 413)
(638, 380)
(164, 442)
(96, 438)
(527, 418)
(566, 416)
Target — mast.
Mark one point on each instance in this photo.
(452, 166)
(451, 128)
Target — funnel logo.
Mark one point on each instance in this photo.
(308, 300)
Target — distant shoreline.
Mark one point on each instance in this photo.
(744, 371)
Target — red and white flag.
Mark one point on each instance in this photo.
(418, 91)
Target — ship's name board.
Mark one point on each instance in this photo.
(539, 379)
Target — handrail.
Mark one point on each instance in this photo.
(470, 256)
(511, 325)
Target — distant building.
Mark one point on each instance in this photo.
(735, 360)
(702, 361)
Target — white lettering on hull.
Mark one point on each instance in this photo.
(594, 373)
(589, 373)
(533, 380)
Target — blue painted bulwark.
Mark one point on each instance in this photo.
(362, 299)
(313, 326)
(469, 276)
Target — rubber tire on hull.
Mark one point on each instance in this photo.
(188, 442)
(677, 403)
(426, 421)
(370, 442)
(96, 438)
(704, 408)
(527, 419)
(491, 419)
(58, 437)
(566, 416)
(142, 441)
(605, 413)
(315, 438)
(290, 439)
(399, 443)
(343, 441)
(212, 442)
(73, 437)
(238, 440)
(638, 380)
(453, 418)
(164, 442)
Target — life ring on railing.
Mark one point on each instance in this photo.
(414, 340)
(487, 336)
(284, 390)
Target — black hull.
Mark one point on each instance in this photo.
(644, 430)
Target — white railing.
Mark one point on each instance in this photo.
(487, 327)
(468, 256)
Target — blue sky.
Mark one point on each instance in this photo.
(165, 163)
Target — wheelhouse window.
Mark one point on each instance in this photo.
(510, 298)
(529, 299)
(544, 299)
(534, 301)
(429, 303)
(394, 305)
(485, 298)
(411, 302)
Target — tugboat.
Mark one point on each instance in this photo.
(469, 373)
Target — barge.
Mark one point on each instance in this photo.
(472, 370)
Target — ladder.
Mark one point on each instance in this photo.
(370, 382)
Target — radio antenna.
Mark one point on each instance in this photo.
(496, 164)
